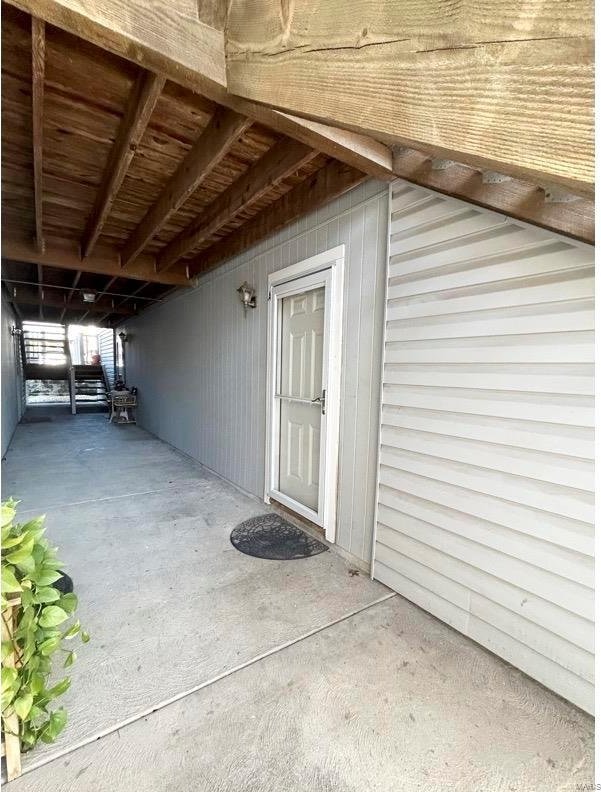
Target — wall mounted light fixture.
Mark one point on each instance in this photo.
(123, 337)
(15, 331)
(248, 297)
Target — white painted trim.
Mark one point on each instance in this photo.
(331, 264)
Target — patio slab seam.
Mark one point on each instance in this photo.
(29, 768)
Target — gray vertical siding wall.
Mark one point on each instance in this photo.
(200, 365)
(11, 378)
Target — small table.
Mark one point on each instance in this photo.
(123, 405)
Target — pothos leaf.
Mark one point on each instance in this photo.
(52, 615)
(46, 594)
(10, 584)
(22, 705)
(68, 602)
(70, 659)
(54, 726)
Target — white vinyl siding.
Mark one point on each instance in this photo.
(485, 497)
(106, 349)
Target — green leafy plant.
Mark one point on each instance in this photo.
(42, 623)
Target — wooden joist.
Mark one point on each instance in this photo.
(213, 144)
(509, 89)
(109, 284)
(122, 302)
(38, 61)
(23, 296)
(574, 216)
(322, 187)
(104, 261)
(277, 164)
(145, 92)
(192, 54)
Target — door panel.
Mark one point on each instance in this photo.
(301, 374)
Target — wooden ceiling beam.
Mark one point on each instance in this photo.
(104, 261)
(320, 188)
(141, 103)
(192, 54)
(509, 89)
(215, 141)
(38, 64)
(23, 295)
(277, 164)
(573, 216)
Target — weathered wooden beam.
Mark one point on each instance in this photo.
(104, 261)
(281, 161)
(38, 62)
(513, 197)
(192, 54)
(104, 306)
(507, 88)
(144, 95)
(322, 187)
(213, 144)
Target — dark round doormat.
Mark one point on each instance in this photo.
(270, 536)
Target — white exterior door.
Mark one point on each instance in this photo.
(304, 387)
(301, 378)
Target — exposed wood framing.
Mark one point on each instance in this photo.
(104, 261)
(100, 294)
(144, 95)
(216, 139)
(27, 297)
(519, 199)
(124, 300)
(192, 54)
(277, 164)
(76, 280)
(508, 88)
(321, 188)
(38, 59)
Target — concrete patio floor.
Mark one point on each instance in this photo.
(211, 670)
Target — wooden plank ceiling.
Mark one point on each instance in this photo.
(119, 181)
(129, 168)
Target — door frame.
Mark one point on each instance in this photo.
(333, 261)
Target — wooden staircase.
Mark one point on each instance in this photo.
(46, 356)
(88, 385)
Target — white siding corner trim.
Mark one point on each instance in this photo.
(485, 493)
